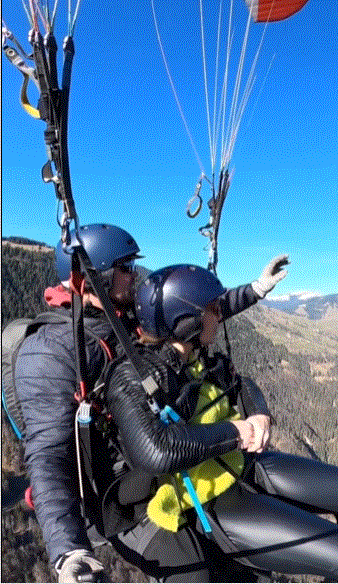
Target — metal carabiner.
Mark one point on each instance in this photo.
(197, 195)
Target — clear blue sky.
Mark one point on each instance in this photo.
(132, 163)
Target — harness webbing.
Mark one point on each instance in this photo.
(81, 261)
(211, 229)
(52, 106)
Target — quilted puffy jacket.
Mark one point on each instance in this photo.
(46, 381)
(45, 378)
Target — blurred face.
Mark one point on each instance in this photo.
(122, 287)
(211, 318)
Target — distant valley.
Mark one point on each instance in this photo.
(312, 306)
(301, 332)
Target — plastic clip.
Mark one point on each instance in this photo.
(84, 416)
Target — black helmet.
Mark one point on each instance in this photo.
(104, 244)
(170, 302)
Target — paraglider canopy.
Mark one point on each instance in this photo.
(272, 10)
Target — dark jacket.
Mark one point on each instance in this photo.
(46, 381)
(156, 448)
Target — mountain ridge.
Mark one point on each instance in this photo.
(311, 305)
(298, 333)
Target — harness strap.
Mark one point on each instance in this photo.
(52, 106)
(51, 46)
(42, 73)
(141, 368)
(65, 190)
(77, 282)
(216, 206)
(239, 480)
(83, 446)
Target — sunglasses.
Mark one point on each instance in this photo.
(127, 266)
(214, 307)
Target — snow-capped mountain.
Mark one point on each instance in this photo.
(308, 304)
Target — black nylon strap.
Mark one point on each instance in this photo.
(140, 366)
(238, 478)
(66, 195)
(86, 451)
(53, 108)
(79, 341)
(78, 329)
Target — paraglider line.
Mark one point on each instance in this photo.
(205, 77)
(174, 90)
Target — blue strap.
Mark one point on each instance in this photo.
(13, 424)
(165, 414)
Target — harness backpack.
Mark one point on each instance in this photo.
(12, 338)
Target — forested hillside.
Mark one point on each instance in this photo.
(25, 275)
(305, 411)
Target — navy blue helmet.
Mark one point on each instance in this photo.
(170, 302)
(104, 244)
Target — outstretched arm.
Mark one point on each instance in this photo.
(273, 273)
(235, 300)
